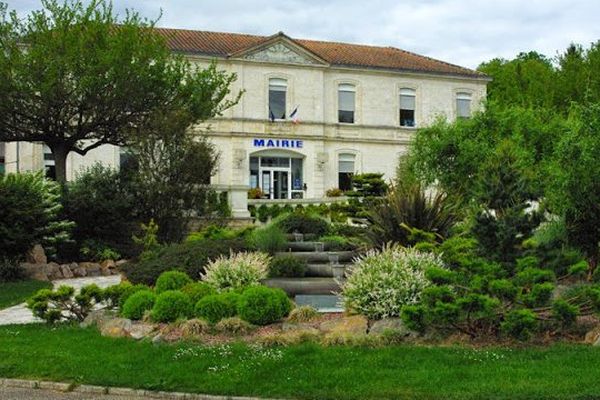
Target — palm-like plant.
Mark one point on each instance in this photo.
(402, 212)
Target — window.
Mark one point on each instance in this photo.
(407, 107)
(49, 163)
(2, 155)
(463, 105)
(345, 171)
(346, 106)
(277, 92)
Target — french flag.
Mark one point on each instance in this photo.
(294, 116)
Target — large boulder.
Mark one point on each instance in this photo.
(108, 267)
(593, 336)
(92, 269)
(97, 318)
(35, 271)
(36, 255)
(140, 330)
(116, 327)
(79, 271)
(395, 325)
(65, 270)
(53, 271)
(353, 325)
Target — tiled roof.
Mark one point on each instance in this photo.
(221, 44)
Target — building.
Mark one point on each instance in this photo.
(313, 114)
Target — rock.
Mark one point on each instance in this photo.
(390, 324)
(158, 339)
(53, 271)
(92, 269)
(36, 255)
(97, 318)
(121, 262)
(354, 325)
(593, 336)
(140, 330)
(290, 326)
(35, 271)
(79, 271)
(108, 264)
(116, 327)
(65, 269)
(105, 271)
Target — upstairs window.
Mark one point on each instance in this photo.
(463, 105)
(346, 103)
(49, 163)
(277, 95)
(407, 107)
(345, 171)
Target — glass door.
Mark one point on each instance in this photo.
(280, 184)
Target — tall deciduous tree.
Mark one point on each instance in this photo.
(76, 77)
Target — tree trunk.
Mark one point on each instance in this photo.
(60, 153)
(592, 265)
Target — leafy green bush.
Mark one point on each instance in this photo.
(216, 307)
(171, 280)
(171, 306)
(339, 243)
(29, 214)
(10, 270)
(261, 305)
(287, 266)
(382, 282)
(190, 258)
(237, 271)
(217, 232)
(137, 304)
(520, 324)
(198, 290)
(302, 222)
(116, 295)
(63, 304)
(269, 239)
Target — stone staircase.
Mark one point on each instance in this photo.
(325, 268)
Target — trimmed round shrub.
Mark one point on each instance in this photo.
(287, 266)
(303, 222)
(117, 295)
(172, 280)
(383, 281)
(138, 303)
(198, 290)
(216, 307)
(261, 305)
(171, 306)
(237, 271)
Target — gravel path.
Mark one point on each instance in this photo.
(19, 314)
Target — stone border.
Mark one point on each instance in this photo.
(115, 391)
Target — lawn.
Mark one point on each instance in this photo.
(12, 293)
(309, 371)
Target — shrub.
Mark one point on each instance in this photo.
(171, 306)
(10, 270)
(255, 193)
(216, 232)
(138, 303)
(287, 266)
(62, 303)
(334, 192)
(261, 305)
(190, 258)
(303, 314)
(216, 307)
(382, 282)
(194, 327)
(302, 222)
(233, 326)
(269, 239)
(339, 243)
(116, 295)
(520, 324)
(29, 214)
(564, 313)
(171, 280)
(198, 290)
(237, 271)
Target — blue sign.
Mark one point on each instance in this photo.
(278, 143)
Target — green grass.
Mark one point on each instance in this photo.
(72, 354)
(12, 293)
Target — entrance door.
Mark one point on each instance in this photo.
(275, 183)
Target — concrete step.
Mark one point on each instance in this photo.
(308, 246)
(322, 270)
(322, 257)
(296, 286)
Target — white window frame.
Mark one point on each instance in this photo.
(283, 82)
(350, 88)
(461, 94)
(407, 91)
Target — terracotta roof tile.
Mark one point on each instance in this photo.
(222, 44)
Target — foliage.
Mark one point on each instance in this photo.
(383, 281)
(148, 240)
(287, 266)
(172, 280)
(95, 251)
(520, 324)
(401, 211)
(269, 239)
(63, 304)
(30, 214)
(339, 243)
(116, 295)
(238, 271)
(10, 270)
(255, 193)
(334, 192)
(303, 314)
(216, 307)
(138, 304)
(233, 326)
(217, 232)
(58, 63)
(190, 258)
(261, 305)
(368, 185)
(171, 306)
(194, 327)
(302, 222)
(198, 290)
(100, 203)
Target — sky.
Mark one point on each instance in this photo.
(463, 32)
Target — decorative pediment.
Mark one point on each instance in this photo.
(280, 48)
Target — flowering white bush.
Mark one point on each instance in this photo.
(382, 282)
(237, 271)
